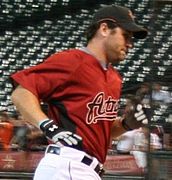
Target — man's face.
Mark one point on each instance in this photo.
(117, 44)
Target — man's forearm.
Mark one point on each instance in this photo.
(28, 105)
(117, 129)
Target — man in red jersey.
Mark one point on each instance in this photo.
(82, 90)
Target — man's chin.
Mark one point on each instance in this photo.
(117, 61)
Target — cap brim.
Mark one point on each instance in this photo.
(138, 31)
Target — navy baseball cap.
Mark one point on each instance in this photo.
(123, 17)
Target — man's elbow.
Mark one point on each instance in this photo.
(15, 96)
(18, 94)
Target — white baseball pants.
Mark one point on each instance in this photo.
(66, 166)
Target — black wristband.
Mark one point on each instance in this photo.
(49, 128)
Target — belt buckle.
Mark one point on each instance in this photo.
(101, 172)
(99, 169)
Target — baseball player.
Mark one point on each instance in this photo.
(82, 90)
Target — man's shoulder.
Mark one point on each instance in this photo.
(74, 56)
(71, 53)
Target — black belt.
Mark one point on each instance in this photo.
(86, 160)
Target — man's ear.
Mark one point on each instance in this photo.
(104, 30)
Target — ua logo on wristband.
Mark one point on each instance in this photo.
(53, 128)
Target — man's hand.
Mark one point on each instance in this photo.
(135, 115)
(59, 135)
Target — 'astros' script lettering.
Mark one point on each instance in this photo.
(102, 108)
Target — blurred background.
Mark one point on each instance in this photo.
(31, 30)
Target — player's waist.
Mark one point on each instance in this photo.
(76, 155)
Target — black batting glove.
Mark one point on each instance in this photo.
(135, 114)
(135, 117)
(59, 135)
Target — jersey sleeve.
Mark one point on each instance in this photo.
(51, 75)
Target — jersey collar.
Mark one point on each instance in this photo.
(104, 65)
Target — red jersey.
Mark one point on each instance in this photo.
(85, 93)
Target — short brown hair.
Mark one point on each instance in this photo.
(92, 29)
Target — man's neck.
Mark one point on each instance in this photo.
(97, 51)
(93, 53)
